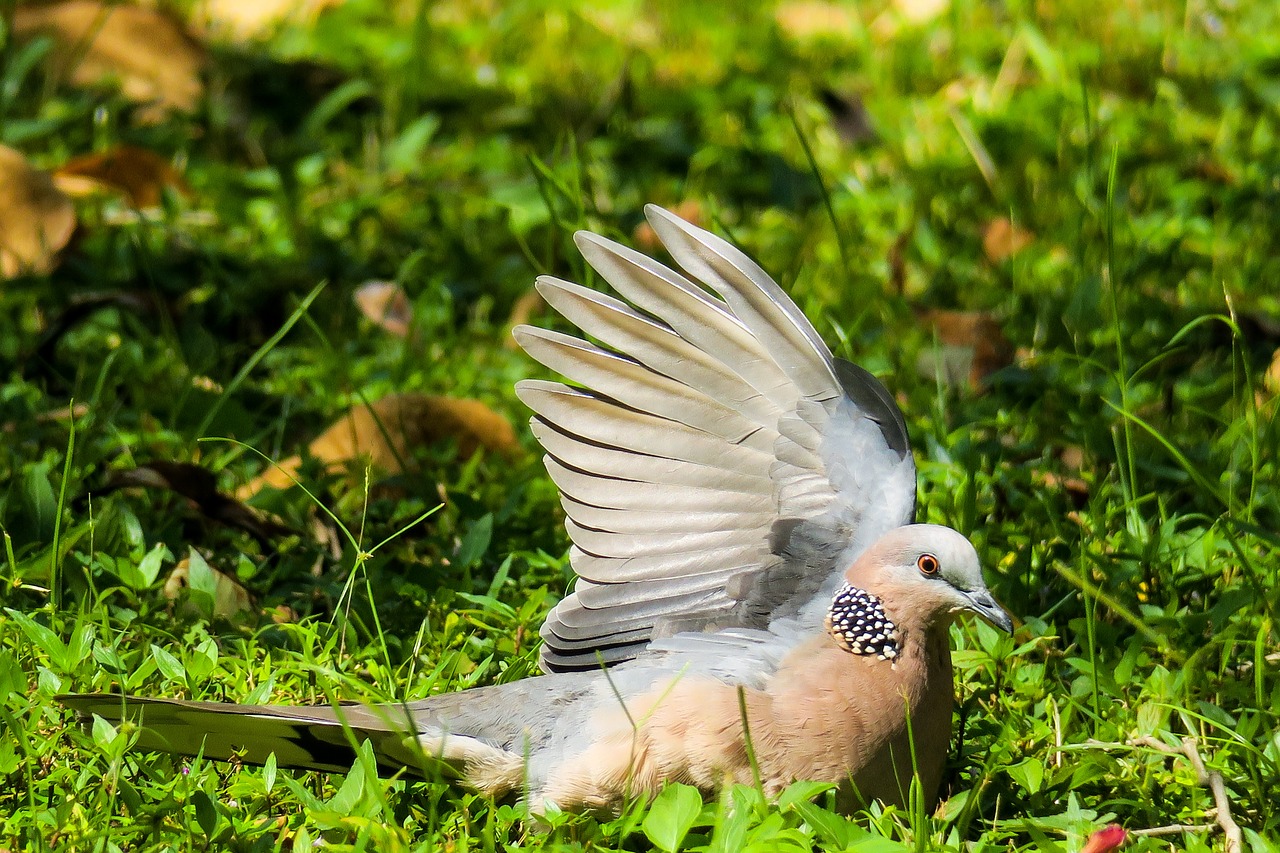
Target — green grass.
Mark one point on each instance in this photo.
(454, 148)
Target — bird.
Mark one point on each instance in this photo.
(754, 600)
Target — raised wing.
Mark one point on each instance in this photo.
(718, 467)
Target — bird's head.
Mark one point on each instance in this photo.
(922, 572)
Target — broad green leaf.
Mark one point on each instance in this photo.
(201, 660)
(269, 773)
(170, 666)
(672, 815)
(1029, 773)
(104, 735)
(475, 542)
(148, 568)
(206, 813)
(42, 637)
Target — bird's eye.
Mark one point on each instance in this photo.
(928, 564)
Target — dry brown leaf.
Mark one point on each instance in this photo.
(1002, 239)
(972, 347)
(385, 303)
(811, 19)
(920, 11)
(199, 486)
(1069, 482)
(36, 218)
(903, 14)
(1072, 457)
(229, 597)
(690, 210)
(137, 173)
(385, 434)
(1272, 380)
(152, 56)
(629, 25)
(525, 309)
(247, 19)
(282, 614)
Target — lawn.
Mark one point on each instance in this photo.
(1049, 227)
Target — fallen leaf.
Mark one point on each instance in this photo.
(36, 218)
(809, 20)
(200, 487)
(1105, 840)
(1069, 482)
(902, 14)
(386, 304)
(526, 308)
(385, 434)
(1002, 239)
(137, 173)
(690, 210)
(149, 53)
(229, 597)
(920, 11)
(627, 24)
(282, 614)
(242, 20)
(971, 347)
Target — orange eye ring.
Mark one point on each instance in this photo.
(928, 564)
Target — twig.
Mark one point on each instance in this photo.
(1212, 779)
(1175, 829)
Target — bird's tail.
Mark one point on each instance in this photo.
(308, 738)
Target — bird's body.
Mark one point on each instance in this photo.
(753, 601)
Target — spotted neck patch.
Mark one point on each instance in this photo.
(859, 624)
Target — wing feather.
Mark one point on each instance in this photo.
(718, 467)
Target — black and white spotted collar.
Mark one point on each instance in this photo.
(858, 622)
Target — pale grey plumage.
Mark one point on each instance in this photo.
(737, 499)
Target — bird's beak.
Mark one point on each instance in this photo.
(981, 602)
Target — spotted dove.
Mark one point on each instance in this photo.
(752, 597)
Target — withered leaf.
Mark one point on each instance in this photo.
(246, 19)
(385, 434)
(147, 52)
(199, 486)
(972, 346)
(524, 310)
(807, 20)
(1270, 389)
(1002, 239)
(137, 173)
(36, 218)
(229, 598)
(689, 210)
(385, 303)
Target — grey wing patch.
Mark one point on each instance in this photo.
(516, 717)
(867, 488)
(870, 396)
(739, 656)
